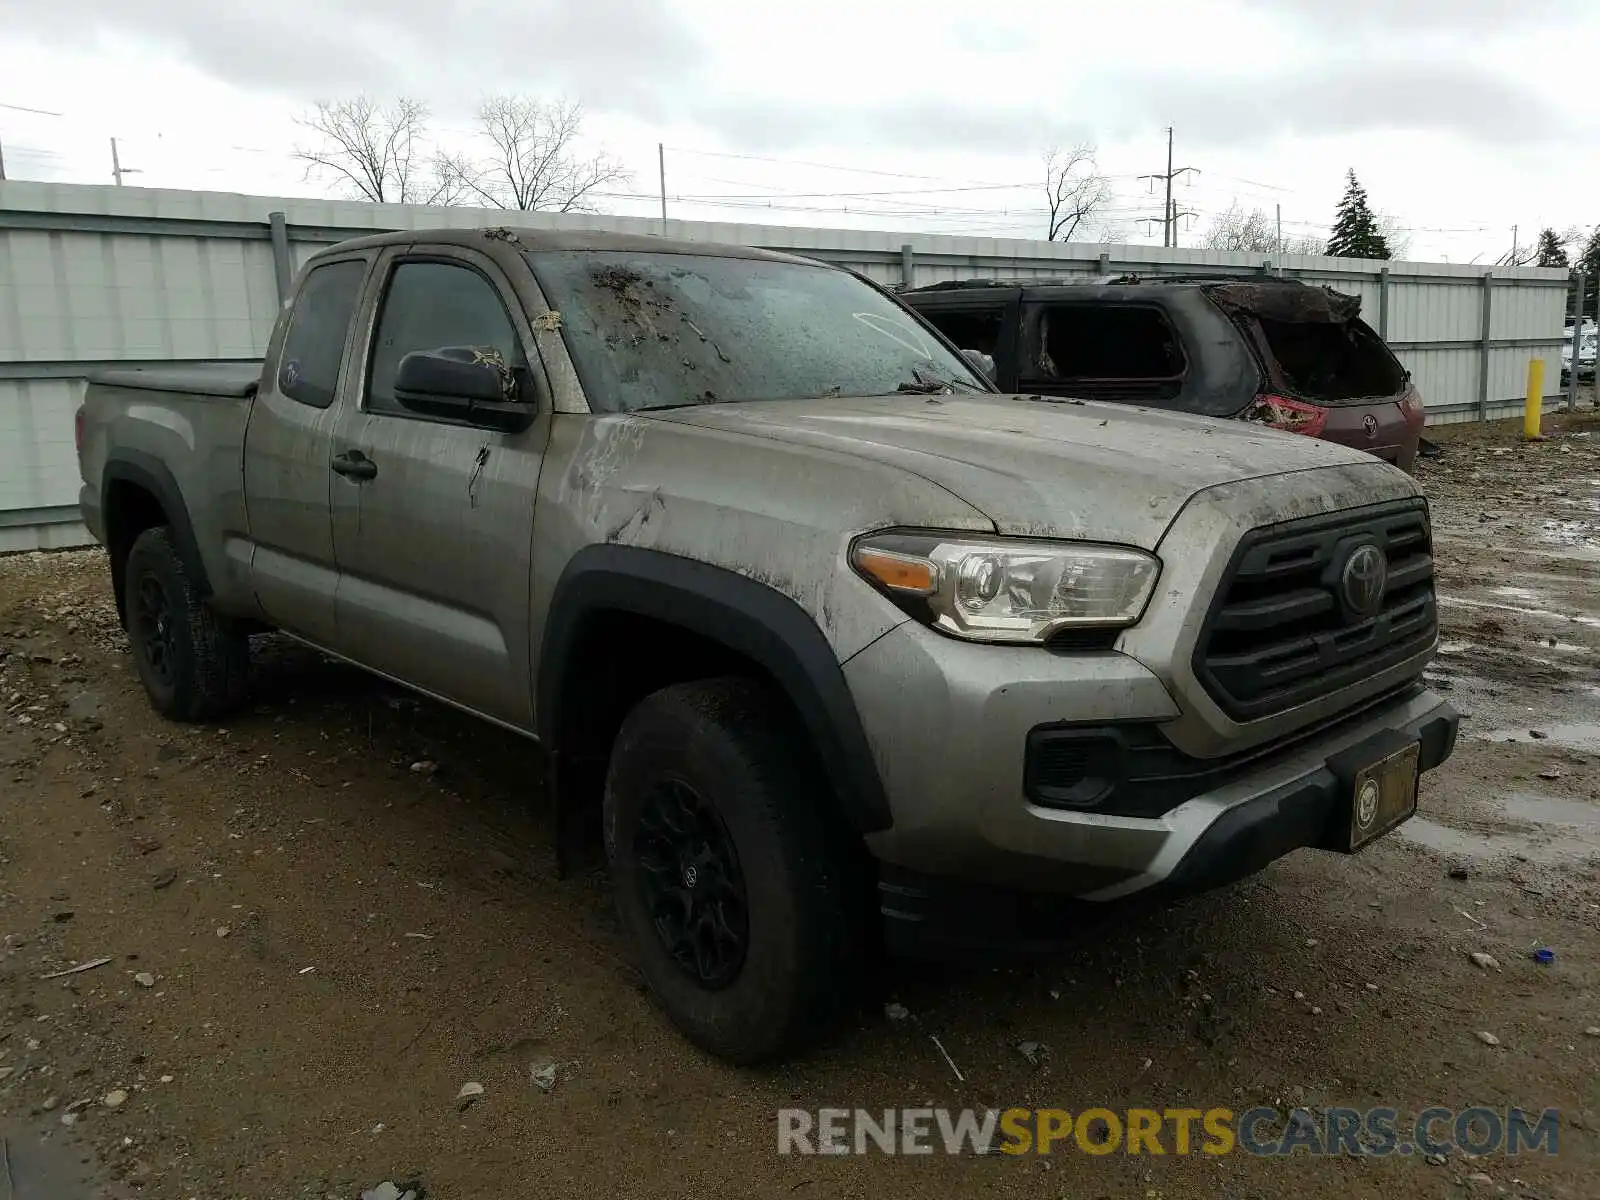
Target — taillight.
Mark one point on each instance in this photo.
(1292, 416)
(77, 430)
(1413, 409)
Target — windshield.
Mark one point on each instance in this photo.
(665, 330)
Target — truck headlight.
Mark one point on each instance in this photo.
(1005, 589)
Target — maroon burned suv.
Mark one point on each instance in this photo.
(1275, 351)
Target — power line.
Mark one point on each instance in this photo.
(22, 108)
(894, 203)
(38, 112)
(979, 187)
(798, 162)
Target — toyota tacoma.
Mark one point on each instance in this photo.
(832, 645)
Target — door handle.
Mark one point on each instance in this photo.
(353, 464)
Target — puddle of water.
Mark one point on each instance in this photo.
(1552, 810)
(1565, 831)
(1568, 737)
(1515, 593)
(43, 1168)
(1522, 547)
(1576, 618)
(1455, 647)
(1570, 533)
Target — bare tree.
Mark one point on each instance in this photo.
(1235, 229)
(1395, 235)
(532, 163)
(1256, 232)
(1073, 188)
(378, 151)
(1518, 256)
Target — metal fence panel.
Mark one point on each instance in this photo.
(97, 275)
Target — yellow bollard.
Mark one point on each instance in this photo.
(1530, 412)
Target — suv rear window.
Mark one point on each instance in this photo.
(1332, 360)
(1123, 351)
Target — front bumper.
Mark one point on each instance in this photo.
(969, 851)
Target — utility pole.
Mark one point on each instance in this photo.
(1168, 211)
(661, 159)
(117, 169)
(2, 164)
(1176, 215)
(1280, 231)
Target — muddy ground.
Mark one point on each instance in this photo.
(313, 944)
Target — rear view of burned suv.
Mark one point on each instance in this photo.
(1275, 352)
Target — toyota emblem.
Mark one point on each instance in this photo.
(1362, 581)
(1371, 422)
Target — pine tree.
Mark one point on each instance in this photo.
(1355, 230)
(1589, 264)
(1550, 250)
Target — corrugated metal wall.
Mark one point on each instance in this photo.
(92, 276)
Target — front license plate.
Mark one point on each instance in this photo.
(1383, 795)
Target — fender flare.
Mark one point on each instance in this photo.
(746, 616)
(151, 474)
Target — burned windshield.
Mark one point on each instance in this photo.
(663, 330)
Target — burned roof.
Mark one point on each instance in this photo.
(1299, 303)
(1278, 297)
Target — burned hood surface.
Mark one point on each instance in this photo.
(1287, 302)
(1035, 467)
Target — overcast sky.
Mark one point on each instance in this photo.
(1461, 117)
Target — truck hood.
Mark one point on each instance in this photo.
(1039, 467)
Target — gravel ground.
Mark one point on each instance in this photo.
(313, 941)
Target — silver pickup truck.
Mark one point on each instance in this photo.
(831, 645)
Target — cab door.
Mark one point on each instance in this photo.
(287, 445)
(433, 517)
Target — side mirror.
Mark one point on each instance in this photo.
(465, 384)
(983, 362)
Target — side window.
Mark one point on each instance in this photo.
(969, 328)
(308, 367)
(1110, 342)
(428, 306)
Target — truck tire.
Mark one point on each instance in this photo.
(742, 899)
(193, 665)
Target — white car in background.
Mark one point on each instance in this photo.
(1586, 352)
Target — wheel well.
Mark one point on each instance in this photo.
(129, 510)
(617, 660)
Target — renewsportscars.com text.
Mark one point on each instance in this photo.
(1373, 1132)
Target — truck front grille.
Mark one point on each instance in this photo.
(1297, 616)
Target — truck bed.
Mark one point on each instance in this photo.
(177, 433)
(234, 380)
